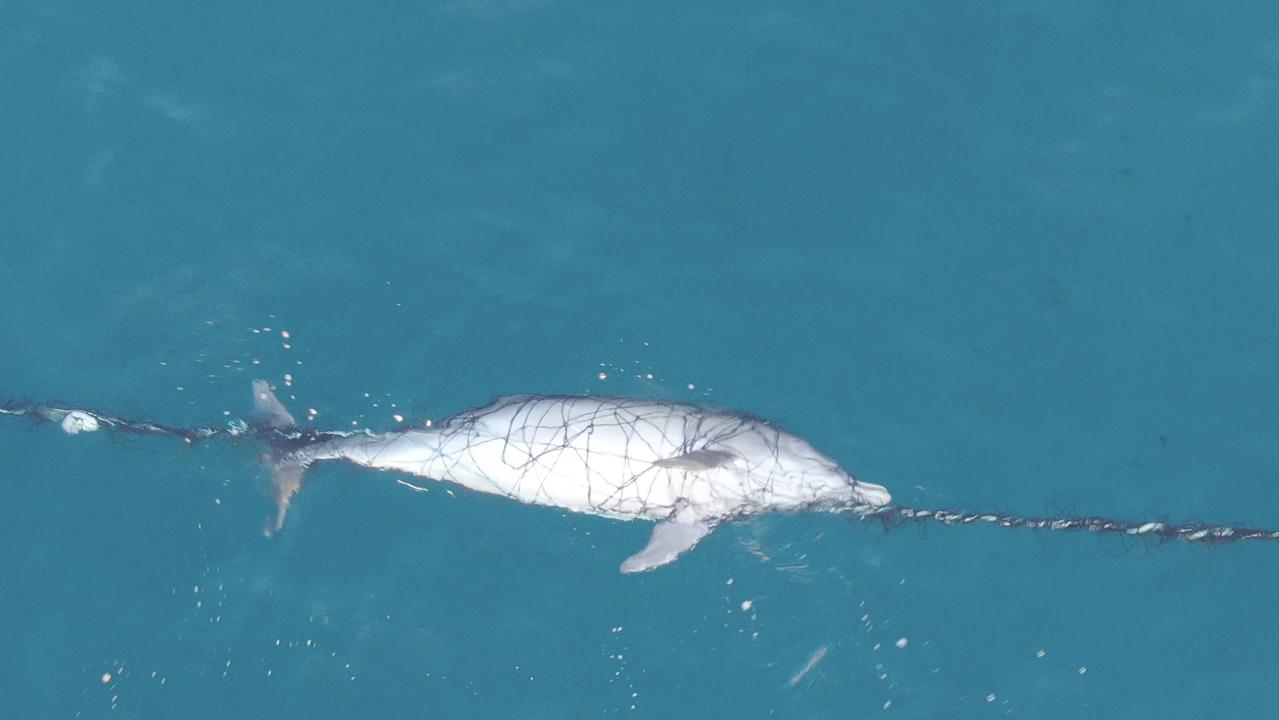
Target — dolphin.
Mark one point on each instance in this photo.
(685, 467)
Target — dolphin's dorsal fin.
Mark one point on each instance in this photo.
(696, 460)
(671, 538)
(267, 408)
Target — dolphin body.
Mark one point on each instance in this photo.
(686, 467)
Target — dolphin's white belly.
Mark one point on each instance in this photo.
(616, 457)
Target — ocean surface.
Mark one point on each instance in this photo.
(1018, 256)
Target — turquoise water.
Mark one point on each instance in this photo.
(1015, 256)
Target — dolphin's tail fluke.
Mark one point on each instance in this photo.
(286, 480)
(286, 468)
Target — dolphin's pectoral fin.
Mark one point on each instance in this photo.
(696, 460)
(670, 538)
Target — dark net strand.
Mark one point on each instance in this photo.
(893, 515)
(888, 515)
(55, 414)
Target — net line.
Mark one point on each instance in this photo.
(889, 516)
(894, 515)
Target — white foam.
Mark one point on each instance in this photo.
(78, 422)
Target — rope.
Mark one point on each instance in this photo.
(76, 420)
(891, 515)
